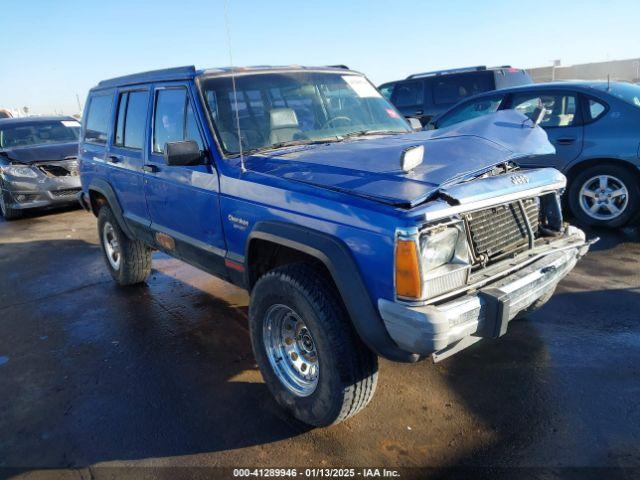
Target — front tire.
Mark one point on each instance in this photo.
(7, 212)
(312, 360)
(128, 261)
(604, 195)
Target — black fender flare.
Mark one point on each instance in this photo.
(106, 190)
(337, 258)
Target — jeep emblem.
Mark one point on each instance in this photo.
(519, 179)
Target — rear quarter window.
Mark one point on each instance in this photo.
(98, 116)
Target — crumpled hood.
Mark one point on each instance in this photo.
(370, 166)
(42, 153)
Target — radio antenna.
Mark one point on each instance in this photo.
(233, 84)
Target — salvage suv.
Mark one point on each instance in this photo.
(356, 236)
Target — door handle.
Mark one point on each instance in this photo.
(565, 141)
(114, 159)
(150, 168)
(419, 112)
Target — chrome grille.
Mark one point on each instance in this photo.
(502, 229)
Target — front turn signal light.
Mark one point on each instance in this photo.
(408, 281)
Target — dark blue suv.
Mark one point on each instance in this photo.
(355, 236)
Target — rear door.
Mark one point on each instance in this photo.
(183, 201)
(126, 154)
(562, 121)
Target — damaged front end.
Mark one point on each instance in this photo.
(489, 249)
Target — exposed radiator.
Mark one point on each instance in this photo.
(502, 229)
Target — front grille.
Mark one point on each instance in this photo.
(502, 229)
(66, 192)
(68, 168)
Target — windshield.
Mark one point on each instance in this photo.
(278, 109)
(628, 92)
(38, 133)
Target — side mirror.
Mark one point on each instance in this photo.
(416, 124)
(182, 153)
(430, 126)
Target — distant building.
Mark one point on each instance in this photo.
(624, 70)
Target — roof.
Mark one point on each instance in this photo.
(190, 72)
(27, 120)
(579, 84)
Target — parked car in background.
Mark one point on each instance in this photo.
(38, 163)
(424, 95)
(595, 128)
(5, 113)
(355, 236)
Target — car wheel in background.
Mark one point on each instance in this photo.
(7, 212)
(312, 360)
(128, 261)
(604, 196)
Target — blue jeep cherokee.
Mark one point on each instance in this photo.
(356, 236)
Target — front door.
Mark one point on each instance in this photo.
(561, 121)
(183, 201)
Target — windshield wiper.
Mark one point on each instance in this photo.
(363, 133)
(292, 143)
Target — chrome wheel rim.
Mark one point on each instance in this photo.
(111, 246)
(604, 197)
(291, 350)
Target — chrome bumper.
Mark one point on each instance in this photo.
(447, 328)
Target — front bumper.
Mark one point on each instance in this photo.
(37, 193)
(448, 327)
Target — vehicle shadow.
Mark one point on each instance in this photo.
(545, 391)
(96, 373)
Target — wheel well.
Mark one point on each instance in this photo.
(573, 171)
(97, 200)
(264, 256)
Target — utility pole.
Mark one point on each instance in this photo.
(79, 104)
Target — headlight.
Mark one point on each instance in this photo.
(18, 171)
(433, 263)
(438, 248)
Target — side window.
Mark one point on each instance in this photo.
(408, 94)
(471, 110)
(174, 119)
(136, 119)
(98, 117)
(169, 117)
(451, 89)
(596, 108)
(132, 119)
(122, 109)
(559, 109)
(387, 90)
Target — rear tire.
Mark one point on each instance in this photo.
(338, 375)
(128, 261)
(7, 212)
(593, 202)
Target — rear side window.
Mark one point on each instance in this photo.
(132, 117)
(448, 90)
(97, 121)
(596, 109)
(408, 94)
(174, 120)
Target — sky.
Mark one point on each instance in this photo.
(53, 50)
